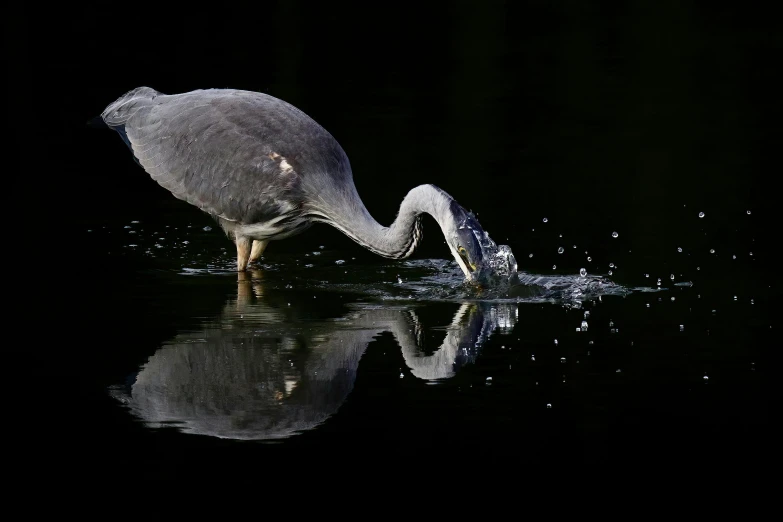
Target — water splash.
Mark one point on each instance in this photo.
(498, 262)
(192, 253)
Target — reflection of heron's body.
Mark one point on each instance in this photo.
(265, 171)
(252, 375)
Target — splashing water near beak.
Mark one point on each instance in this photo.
(497, 263)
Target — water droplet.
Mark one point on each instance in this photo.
(734, 257)
(532, 357)
(748, 212)
(584, 326)
(659, 281)
(562, 359)
(589, 259)
(321, 247)
(646, 275)
(554, 267)
(712, 250)
(134, 222)
(682, 327)
(207, 228)
(531, 255)
(582, 272)
(339, 262)
(701, 214)
(402, 375)
(548, 405)
(611, 265)
(671, 277)
(706, 378)
(610, 272)
(750, 253)
(545, 219)
(698, 268)
(555, 342)
(618, 370)
(672, 299)
(399, 279)
(615, 234)
(560, 250)
(489, 378)
(574, 246)
(587, 314)
(735, 297)
(679, 249)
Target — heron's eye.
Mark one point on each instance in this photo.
(462, 251)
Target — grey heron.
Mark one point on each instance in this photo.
(267, 171)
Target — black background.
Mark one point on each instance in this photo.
(613, 112)
(600, 116)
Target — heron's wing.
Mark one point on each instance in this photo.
(213, 149)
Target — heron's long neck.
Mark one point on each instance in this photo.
(399, 240)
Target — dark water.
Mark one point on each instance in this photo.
(155, 359)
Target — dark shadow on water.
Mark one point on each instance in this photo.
(183, 373)
(255, 372)
(219, 372)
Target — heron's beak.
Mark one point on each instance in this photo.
(470, 266)
(467, 268)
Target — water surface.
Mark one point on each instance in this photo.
(315, 350)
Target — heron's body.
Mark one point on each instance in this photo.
(263, 169)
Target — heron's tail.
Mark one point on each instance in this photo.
(118, 112)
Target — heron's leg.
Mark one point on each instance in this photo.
(243, 252)
(258, 249)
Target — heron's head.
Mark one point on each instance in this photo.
(476, 254)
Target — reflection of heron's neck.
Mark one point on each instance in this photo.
(439, 365)
(347, 213)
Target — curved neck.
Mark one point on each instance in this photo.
(348, 214)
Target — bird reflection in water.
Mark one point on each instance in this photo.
(257, 373)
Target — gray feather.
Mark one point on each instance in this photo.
(227, 151)
(265, 169)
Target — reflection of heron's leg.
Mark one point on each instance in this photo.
(244, 289)
(258, 249)
(248, 285)
(256, 276)
(243, 252)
